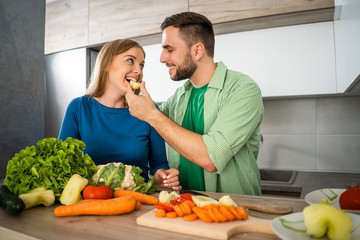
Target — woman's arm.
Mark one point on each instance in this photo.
(70, 123)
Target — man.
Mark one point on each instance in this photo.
(212, 123)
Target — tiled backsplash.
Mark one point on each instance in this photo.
(318, 134)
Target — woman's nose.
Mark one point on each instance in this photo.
(138, 69)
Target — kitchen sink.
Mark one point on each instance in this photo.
(282, 177)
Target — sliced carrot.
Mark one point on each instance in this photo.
(211, 206)
(202, 214)
(178, 210)
(190, 217)
(235, 213)
(242, 212)
(191, 204)
(226, 213)
(160, 213)
(221, 217)
(171, 215)
(141, 197)
(112, 206)
(185, 208)
(212, 214)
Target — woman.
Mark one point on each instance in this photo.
(101, 118)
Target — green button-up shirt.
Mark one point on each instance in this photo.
(233, 112)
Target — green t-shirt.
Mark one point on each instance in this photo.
(191, 175)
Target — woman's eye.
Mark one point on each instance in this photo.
(142, 66)
(130, 60)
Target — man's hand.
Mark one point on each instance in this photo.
(167, 178)
(141, 107)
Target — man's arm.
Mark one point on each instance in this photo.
(189, 144)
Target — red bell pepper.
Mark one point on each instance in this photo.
(166, 206)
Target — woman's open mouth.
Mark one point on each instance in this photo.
(133, 83)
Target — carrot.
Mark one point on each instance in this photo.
(178, 210)
(219, 215)
(226, 213)
(160, 213)
(190, 217)
(171, 215)
(242, 212)
(212, 214)
(185, 208)
(141, 197)
(113, 206)
(235, 213)
(202, 214)
(211, 206)
(138, 205)
(87, 200)
(191, 204)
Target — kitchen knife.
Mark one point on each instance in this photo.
(273, 209)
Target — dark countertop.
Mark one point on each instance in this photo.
(308, 181)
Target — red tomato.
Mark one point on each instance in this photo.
(97, 192)
(350, 199)
(166, 206)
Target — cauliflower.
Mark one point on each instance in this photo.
(118, 176)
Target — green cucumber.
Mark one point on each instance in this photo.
(11, 203)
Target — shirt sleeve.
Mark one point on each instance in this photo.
(239, 116)
(70, 124)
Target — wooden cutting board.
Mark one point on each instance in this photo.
(203, 229)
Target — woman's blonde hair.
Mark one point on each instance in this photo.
(105, 57)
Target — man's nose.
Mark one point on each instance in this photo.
(163, 57)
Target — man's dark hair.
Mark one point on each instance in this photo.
(194, 28)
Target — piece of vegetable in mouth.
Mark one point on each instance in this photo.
(134, 85)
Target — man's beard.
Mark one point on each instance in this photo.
(186, 70)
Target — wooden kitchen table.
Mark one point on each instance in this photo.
(40, 223)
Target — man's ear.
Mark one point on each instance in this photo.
(198, 50)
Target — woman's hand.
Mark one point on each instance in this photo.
(167, 178)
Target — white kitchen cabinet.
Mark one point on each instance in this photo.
(285, 61)
(347, 39)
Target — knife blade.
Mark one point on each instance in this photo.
(192, 192)
(273, 209)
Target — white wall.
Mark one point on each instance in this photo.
(156, 76)
(284, 61)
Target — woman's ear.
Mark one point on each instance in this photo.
(198, 50)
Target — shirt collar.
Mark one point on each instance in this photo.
(217, 80)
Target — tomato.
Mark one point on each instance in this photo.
(97, 192)
(166, 206)
(350, 199)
